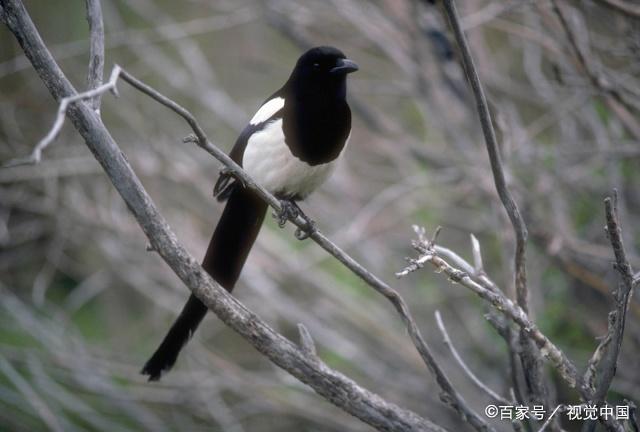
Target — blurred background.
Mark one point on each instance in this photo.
(83, 305)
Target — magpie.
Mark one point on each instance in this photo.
(290, 147)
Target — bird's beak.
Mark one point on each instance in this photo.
(344, 66)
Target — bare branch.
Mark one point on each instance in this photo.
(482, 386)
(96, 50)
(603, 364)
(566, 369)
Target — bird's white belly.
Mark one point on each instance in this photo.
(269, 161)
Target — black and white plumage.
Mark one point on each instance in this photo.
(293, 141)
(290, 146)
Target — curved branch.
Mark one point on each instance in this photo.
(491, 141)
(454, 352)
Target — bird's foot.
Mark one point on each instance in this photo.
(228, 172)
(307, 231)
(309, 225)
(290, 211)
(226, 177)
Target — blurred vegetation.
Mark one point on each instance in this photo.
(82, 305)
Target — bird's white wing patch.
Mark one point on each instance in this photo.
(270, 107)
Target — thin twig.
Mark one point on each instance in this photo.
(482, 386)
(307, 343)
(428, 254)
(96, 50)
(547, 422)
(478, 267)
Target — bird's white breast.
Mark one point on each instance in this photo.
(269, 161)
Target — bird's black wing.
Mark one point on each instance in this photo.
(226, 182)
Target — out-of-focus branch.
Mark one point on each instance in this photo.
(612, 96)
(626, 7)
(45, 413)
(96, 49)
(162, 32)
(531, 359)
(65, 102)
(482, 386)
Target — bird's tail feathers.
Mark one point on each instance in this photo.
(228, 249)
(167, 353)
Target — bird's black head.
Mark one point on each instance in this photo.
(322, 70)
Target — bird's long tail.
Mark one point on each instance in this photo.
(228, 250)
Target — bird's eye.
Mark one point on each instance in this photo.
(316, 65)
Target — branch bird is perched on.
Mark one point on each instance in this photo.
(290, 147)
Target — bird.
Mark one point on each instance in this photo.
(290, 147)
